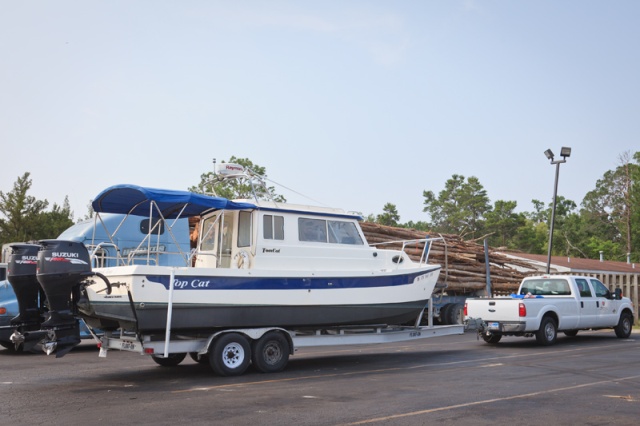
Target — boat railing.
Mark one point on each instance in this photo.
(417, 249)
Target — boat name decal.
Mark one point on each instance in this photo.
(196, 283)
(272, 250)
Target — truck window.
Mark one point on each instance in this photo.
(157, 230)
(600, 289)
(546, 287)
(583, 287)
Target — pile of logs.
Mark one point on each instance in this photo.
(463, 262)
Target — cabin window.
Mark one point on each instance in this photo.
(273, 227)
(144, 226)
(344, 233)
(314, 230)
(332, 231)
(208, 234)
(244, 229)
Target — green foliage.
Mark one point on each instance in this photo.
(390, 216)
(459, 207)
(236, 188)
(503, 223)
(24, 217)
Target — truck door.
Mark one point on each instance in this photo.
(607, 309)
(587, 304)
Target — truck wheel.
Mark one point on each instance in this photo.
(548, 332)
(270, 352)
(625, 324)
(444, 313)
(456, 314)
(571, 333)
(491, 338)
(171, 361)
(230, 354)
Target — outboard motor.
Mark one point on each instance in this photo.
(62, 266)
(22, 277)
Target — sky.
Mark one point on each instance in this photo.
(354, 104)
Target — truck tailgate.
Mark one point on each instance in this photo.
(495, 309)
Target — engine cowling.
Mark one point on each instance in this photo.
(21, 274)
(62, 265)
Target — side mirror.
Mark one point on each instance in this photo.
(617, 294)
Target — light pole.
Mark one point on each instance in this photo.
(564, 153)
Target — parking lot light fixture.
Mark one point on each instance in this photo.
(564, 153)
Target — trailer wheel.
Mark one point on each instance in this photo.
(491, 338)
(548, 332)
(271, 352)
(171, 361)
(230, 354)
(625, 324)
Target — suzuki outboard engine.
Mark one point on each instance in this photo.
(23, 261)
(62, 266)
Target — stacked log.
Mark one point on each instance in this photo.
(463, 262)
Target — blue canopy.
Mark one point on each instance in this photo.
(135, 200)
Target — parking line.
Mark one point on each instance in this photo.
(488, 401)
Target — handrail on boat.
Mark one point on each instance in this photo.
(426, 248)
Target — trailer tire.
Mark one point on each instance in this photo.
(270, 353)
(171, 361)
(230, 354)
(491, 338)
(625, 325)
(547, 334)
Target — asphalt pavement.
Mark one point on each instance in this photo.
(591, 379)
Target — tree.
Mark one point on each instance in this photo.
(21, 212)
(53, 223)
(459, 208)
(236, 188)
(390, 216)
(611, 211)
(503, 222)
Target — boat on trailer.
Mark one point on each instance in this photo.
(257, 263)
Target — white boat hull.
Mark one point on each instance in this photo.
(200, 299)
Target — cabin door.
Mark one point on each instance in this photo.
(226, 239)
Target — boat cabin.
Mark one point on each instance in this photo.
(270, 233)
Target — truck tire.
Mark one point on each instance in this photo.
(571, 333)
(625, 324)
(444, 313)
(270, 352)
(491, 338)
(171, 361)
(456, 314)
(548, 332)
(230, 354)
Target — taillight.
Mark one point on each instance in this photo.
(465, 309)
(522, 310)
(3, 311)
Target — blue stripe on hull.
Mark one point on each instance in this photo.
(207, 282)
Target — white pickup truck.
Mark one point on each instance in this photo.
(547, 304)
